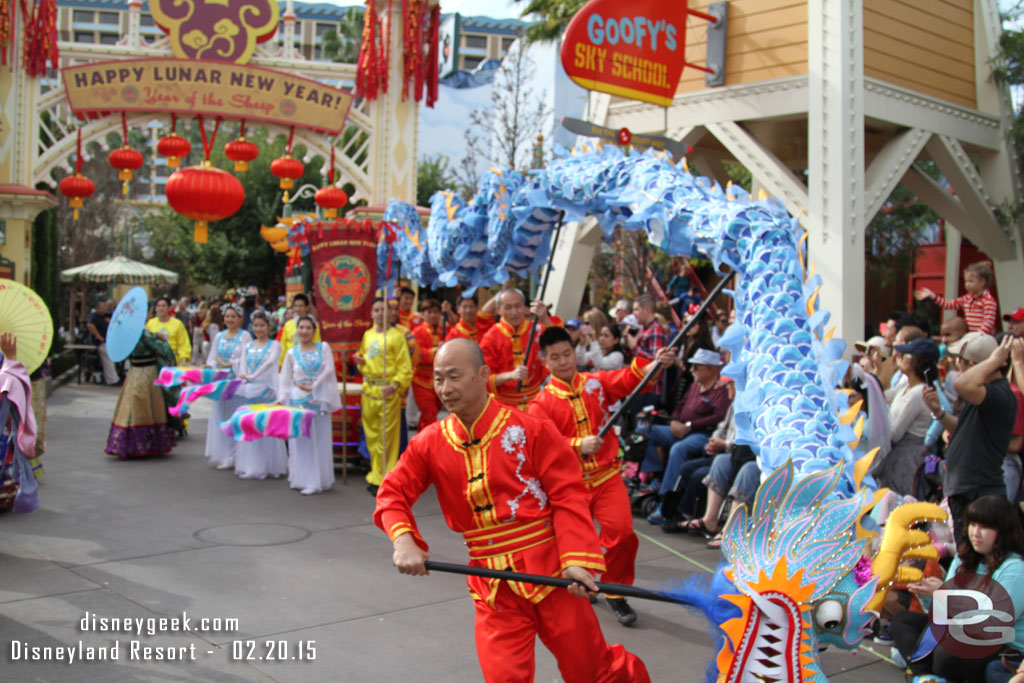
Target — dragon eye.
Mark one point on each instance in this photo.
(828, 614)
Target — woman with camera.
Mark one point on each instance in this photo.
(909, 416)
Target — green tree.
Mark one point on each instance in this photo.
(45, 272)
(236, 253)
(343, 45)
(550, 17)
(432, 175)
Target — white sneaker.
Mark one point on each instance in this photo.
(308, 492)
(226, 466)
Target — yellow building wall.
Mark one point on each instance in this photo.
(922, 45)
(766, 39)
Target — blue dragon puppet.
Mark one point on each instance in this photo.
(799, 568)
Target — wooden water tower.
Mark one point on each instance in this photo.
(828, 103)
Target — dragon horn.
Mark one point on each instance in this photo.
(901, 541)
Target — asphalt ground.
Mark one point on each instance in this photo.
(293, 588)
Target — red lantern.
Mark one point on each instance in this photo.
(174, 147)
(125, 160)
(330, 199)
(241, 151)
(288, 170)
(204, 193)
(76, 187)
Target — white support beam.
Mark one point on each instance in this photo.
(952, 281)
(763, 100)
(760, 161)
(571, 259)
(911, 109)
(946, 205)
(890, 164)
(835, 158)
(959, 170)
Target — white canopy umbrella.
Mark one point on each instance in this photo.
(119, 270)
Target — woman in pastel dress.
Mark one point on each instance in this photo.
(308, 381)
(257, 365)
(224, 353)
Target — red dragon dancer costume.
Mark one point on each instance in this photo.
(579, 409)
(428, 339)
(504, 349)
(510, 485)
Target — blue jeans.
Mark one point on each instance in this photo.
(691, 474)
(744, 483)
(688, 448)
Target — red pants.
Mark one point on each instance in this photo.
(505, 636)
(609, 504)
(428, 403)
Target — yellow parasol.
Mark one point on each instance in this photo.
(25, 315)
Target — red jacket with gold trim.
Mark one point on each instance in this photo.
(509, 485)
(504, 349)
(484, 322)
(580, 408)
(427, 338)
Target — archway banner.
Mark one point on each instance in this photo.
(344, 259)
(191, 87)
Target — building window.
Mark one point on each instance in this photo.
(318, 53)
(110, 18)
(109, 38)
(475, 42)
(85, 37)
(82, 17)
(470, 63)
(147, 20)
(506, 44)
(321, 29)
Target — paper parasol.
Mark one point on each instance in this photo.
(126, 324)
(25, 315)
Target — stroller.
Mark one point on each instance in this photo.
(643, 500)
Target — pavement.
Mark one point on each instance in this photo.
(293, 588)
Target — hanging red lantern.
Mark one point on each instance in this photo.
(125, 159)
(173, 146)
(77, 186)
(241, 151)
(204, 193)
(331, 198)
(286, 168)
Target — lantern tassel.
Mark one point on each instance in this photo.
(200, 232)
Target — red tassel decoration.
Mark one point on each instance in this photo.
(368, 68)
(432, 55)
(41, 39)
(6, 28)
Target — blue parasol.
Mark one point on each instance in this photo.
(126, 324)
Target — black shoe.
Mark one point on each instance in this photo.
(623, 612)
(372, 488)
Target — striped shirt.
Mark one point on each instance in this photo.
(981, 311)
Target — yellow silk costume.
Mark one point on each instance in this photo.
(398, 370)
(177, 337)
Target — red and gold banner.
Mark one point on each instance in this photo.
(633, 49)
(189, 87)
(344, 260)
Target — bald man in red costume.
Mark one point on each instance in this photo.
(508, 483)
(578, 404)
(504, 347)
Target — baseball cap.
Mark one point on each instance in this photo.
(1017, 316)
(706, 357)
(973, 347)
(574, 323)
(876, 342)
(924, 347)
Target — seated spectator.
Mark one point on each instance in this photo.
(982, 430)
(906, 335)
(721, 324)
(697, 337)
(991, 544)
(694, 418)
(909, 417)
(605, 352)
(877, 427)
(877, 358)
